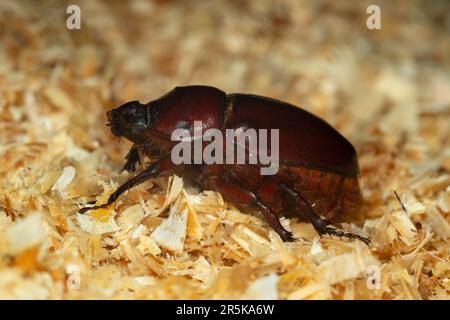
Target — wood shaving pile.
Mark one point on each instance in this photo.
(387, 90)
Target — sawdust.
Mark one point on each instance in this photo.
(387, 90)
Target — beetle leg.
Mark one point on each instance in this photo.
(340, 233)
(273, 220)
(132, 159)
(321, 225)
(150, 172)
(236, 194)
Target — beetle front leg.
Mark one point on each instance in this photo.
(236, 194)
(152, 171)
(321, 225)
(132, 159)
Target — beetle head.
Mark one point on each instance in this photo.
(129, 120)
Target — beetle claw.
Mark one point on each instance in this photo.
(287, 236)
(86, 209)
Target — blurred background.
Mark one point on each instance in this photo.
(386, 90)
(316, 54)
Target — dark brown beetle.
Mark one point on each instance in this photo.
(318, 168)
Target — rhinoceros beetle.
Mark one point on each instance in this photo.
(318, 171)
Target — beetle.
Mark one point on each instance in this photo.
(318, 176)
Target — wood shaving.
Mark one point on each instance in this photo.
(386, 90)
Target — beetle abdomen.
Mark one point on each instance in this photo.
(333, 196)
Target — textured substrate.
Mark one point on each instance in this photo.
(387, 90)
